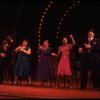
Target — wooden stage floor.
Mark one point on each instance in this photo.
(23, 91)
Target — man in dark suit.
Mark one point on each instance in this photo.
(3, 51)
(94, 47)
(90, 60)
(10, 59)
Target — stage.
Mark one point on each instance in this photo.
(35, 91)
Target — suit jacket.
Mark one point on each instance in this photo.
(93, 53)
(95, 48)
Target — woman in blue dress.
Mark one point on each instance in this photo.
(43, 68)
(23, 68)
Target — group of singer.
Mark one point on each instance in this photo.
(20, 67)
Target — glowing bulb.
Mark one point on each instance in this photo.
(44, 12)
(43, 16)
(64, 14)
(58, 27)
(39, 56)
(39, 36)
(59, 23)
(40, 24)
(74, 4)
(42, 20)
(39, 32)
(70, 7)
(78, 2)
(57, 32)
(39, 28)
(38, 60)
(67, 11)
(46, 9)
(61, 19)
(39, 40)
(51, 2)
(57, 37)
(49, 5)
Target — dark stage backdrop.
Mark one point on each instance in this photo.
(22, 18)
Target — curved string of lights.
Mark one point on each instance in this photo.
(63, 16)
(41, 21)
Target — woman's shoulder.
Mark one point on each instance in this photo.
(28, 47)
(49, 48)
(60, 47)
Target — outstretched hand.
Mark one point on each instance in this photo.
(53, 54)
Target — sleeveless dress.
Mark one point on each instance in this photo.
(43, 68)
(22, 67)
(64, 64)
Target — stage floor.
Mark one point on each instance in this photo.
(35, 91)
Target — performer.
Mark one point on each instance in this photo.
(10, 59)
(64, 68)
(3, 52)
(43, 68)
(23, 68)
(90, 58)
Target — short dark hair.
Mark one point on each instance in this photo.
(91, 30)
(46, 41)
(25, 39)
(5, 42)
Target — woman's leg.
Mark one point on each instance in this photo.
(16, 80)
(70, 82)
(58, 80)
(65, 80)
(29, 81)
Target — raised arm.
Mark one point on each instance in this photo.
(73, 41)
